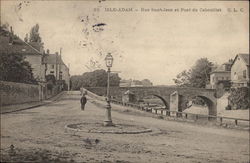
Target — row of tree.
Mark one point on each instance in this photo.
(198, 76)
(97, 78)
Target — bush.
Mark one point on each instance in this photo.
(228, 107)
(239, 98)
(14, 68)
(199, 101)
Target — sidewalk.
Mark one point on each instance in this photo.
(29, 105)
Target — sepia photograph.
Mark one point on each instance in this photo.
(124, 81)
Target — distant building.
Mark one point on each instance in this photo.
(55, 66)
(220, 76)
(146, 83)
(12, 44)
(135, 83)
(125, 83)
(240, 71)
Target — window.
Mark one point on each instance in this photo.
(52, 72)
(52, 66)
(222, 78)
(244, 74)
(60, 75)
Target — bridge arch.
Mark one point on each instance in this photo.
(211, 104)
(163, 100)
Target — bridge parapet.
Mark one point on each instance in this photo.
(165, 92)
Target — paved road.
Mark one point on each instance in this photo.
(41, 131)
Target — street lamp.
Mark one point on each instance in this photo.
(108, 121)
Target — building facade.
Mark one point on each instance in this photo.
(240, 71)
(55, 66)
(220, 76)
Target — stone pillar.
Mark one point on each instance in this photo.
(212, 108)
(128, 97)
(174, 101)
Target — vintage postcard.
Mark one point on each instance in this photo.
(124, 81)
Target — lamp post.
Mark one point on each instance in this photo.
(108, 121)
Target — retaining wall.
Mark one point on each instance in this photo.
(16, 93)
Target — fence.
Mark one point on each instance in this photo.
(188, 116)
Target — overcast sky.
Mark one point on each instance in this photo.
(152, 45)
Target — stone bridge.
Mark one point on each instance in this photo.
(176, 98)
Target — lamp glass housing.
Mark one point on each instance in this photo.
(109, 60)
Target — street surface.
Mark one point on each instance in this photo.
(39, 134)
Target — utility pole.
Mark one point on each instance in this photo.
(60, 58)
(56, 65)
(69, 79)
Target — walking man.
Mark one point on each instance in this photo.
(83, 101)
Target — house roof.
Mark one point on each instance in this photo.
(53, 59)
(18, 46)
(220, 69)
(244, 57)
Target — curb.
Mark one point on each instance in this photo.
(109, 132)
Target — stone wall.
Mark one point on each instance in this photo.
(17, 93)
(93, 95)
(142, 92)
(148, 92)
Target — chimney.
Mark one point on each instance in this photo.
(11, 30)
(60, 51)
(56, 53)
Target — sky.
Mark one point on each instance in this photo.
(154, 45)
